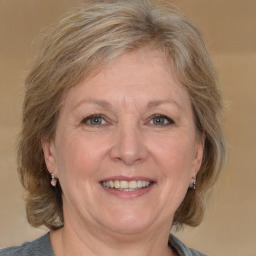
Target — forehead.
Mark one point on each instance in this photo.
(142, 74)
(142, 65)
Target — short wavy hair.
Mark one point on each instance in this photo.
(79, 46)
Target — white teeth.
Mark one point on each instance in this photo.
(126, 185)
(112, 184)
(117, 184)
(140, 183)
(133, 184)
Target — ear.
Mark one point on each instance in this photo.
(198, 156)
(49, 155)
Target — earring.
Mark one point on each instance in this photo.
(193, 184)
(54, 180)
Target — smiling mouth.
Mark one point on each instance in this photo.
(123, 185)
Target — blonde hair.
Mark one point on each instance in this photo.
(79, 46)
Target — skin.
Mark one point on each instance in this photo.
(125, 139)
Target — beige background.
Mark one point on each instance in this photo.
(229, 228)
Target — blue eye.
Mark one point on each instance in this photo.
(161, 120)
(94, 120)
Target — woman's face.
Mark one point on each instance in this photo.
(125, 149)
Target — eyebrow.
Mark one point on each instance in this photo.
(101, 103)
(107, 105)
(156, 103)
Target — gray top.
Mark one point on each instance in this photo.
(42, 247)
(39, 247)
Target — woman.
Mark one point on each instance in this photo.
(121, 137)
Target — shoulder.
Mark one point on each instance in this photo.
(39, 247)
(182, 249)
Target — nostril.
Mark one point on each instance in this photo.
(128, 141)
(129, 149)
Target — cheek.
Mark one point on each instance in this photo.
(175, 157)
(79, 156)
(175, 151)
(77, 169)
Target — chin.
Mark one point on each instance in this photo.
(129, 222)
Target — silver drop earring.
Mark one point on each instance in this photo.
(53, 180)
(193, 184)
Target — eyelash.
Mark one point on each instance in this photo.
(95, 117)
(165, 120)
(159, 116)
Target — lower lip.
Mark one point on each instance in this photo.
(128, 194)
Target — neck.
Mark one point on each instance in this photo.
(72, 241)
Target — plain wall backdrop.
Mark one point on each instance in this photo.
(229, 227)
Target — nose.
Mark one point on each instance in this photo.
(129, 145)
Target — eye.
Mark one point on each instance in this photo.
(160, 120)
(94, 120)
